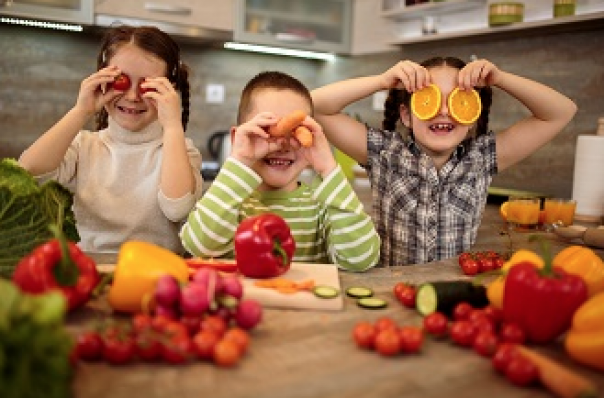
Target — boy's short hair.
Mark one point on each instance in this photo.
(269, 80)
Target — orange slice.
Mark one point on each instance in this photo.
(503, 211)
(464, 105)
(425, 103)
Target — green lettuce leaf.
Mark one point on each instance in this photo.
(26, 211)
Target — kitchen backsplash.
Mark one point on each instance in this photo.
(41, 71)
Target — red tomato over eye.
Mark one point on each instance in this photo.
(121, 83)
(142, 90)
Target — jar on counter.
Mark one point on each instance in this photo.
(563, 8)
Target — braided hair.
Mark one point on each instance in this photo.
(397, 97)
(156, 42)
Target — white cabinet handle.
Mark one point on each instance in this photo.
(167, 9)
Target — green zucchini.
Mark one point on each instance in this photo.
(325, 292)
(372, 303)
(359, 292)
(443, 296)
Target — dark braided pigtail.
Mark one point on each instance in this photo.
(392, 106)
(182, 84)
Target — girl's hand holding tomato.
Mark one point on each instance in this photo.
(94, 93)
(160, 93)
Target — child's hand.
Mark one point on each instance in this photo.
(406, 74)
(94, 94)
(166, 100)
(319, 155)
(478, 73)
(251, 142)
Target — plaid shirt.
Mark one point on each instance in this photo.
(423, 214)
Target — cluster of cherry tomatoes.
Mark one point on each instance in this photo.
(484, 331)
(387, 338)
(405, 293)
(473, 263)
(160, 338)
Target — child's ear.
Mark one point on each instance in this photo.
(233, 129)
(405, 115)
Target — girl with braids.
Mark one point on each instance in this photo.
(430, 183)
(137, 177)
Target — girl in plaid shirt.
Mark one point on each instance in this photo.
(430, 184)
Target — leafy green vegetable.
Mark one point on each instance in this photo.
(26, 211)
(34, 344)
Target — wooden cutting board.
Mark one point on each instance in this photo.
(322, 274)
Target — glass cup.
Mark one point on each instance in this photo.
(559, 211)
(523, 213)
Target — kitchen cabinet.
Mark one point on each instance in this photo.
(69, 11)
(205, 16)
(317, 25)
(468, 19)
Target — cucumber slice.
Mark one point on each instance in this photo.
(372, 303)
(359, 292)
(443, 296)
(326, 292)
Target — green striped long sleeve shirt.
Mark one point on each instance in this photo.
(328, 221)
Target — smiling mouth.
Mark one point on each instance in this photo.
(442, 127)
(130, 111)
(278, 162)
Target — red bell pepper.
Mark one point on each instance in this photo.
(264, 246)
(58, 265)
(542, 301)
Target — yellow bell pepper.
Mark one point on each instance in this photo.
(584, 262)
(495, 288)
(139, 266)
(584, 342)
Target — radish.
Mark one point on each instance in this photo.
(248, 314)
(194, 299)
(167, 291)
(209, 278)
(232, 286)
(168, 312)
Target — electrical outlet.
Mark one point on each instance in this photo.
(378, 100)
(215, 93)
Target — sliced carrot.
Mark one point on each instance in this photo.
(285, 286)
(287, 289)
(560, 380)
(306, 285)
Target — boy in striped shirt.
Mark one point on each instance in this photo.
(261, 175)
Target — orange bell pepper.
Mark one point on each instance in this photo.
(583, 261)
(585, 340)
(495, 288)
(139, 266)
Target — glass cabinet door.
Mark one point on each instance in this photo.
(320, 25)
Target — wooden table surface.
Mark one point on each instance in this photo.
(295, 353)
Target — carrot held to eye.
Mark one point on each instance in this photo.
(287, 124)
(304, 136)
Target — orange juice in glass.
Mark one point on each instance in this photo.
(559, 211)
(523, 213)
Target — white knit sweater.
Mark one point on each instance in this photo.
(114, 175)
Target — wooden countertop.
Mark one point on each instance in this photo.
(297, 353)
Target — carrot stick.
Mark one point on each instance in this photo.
(304, 136)
(287, 124)
(559, 379)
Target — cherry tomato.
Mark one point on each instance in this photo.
(192, 323)
(175, 328)
(384, 323)
(485, 343)
(147, 346)
(462, 311)
(405, 293)
(503, 355)
(499, 261)
(118, 351)
(159, 322)
(226, 353)
(364, 334)
(141, 322)
(521, 371)
(177, 349)
(204, 343)
(388, 342)
(470, 267)
(121, 83)
(436, 324)
(462, 333)
(486, 264)
(214, 323)
(494, 314)
(411, 338)
(239, 336)
(89, 346)
(512, 333)
(464, 256)
(142, 90)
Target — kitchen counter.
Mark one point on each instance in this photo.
(295, 353)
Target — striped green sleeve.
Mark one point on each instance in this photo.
(211, 225)
(352, 240)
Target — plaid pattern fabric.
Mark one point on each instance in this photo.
(423, 214)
